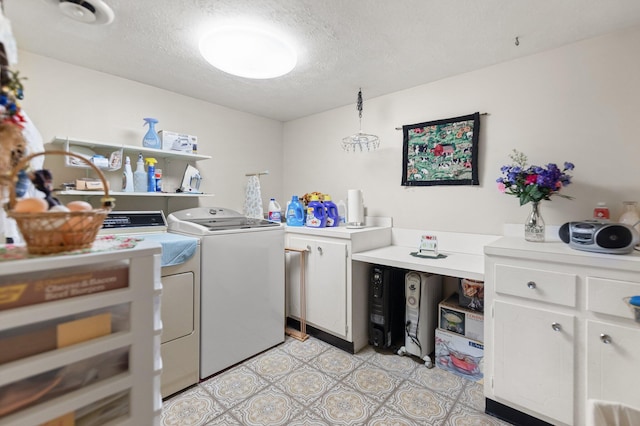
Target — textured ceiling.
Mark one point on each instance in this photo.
(382, 46)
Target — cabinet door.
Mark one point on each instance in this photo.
(534, 359)
(613, 357)
(177, 306)
(325, 282)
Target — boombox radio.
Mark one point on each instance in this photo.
(600, 237)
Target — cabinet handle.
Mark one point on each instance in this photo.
(556, 326)
(605, 338)
(320, 250)
(531, 285)
(309, 249)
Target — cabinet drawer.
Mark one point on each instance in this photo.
(44, 336)
(37, 287)
(536, 284)
(42, 387)
(606, 296)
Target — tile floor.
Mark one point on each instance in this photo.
(314, 383)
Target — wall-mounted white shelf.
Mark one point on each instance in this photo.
(147, 152)
(76, 193)
(67, 144)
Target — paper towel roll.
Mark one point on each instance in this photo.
(355, 208)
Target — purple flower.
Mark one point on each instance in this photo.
(533, 183)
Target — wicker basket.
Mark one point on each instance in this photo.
(55, 232)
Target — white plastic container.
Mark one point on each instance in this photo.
(275, 211)
(140, 176)
(127, 177)
(342, 211)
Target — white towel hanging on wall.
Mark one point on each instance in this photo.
(253, 198)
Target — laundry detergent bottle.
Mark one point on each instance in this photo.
(316, 214)
(295, 212)
(333, 217)
(151, 138)
(140, 176)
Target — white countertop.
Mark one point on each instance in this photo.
(464, 253)
(462, 265)
(333, 232)
(559, 252)
(343, 231)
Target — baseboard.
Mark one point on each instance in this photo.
(511, 415)
(322, 335)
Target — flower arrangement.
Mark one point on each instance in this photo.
(533, 183)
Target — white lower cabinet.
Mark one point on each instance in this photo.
(336, 287)
(558, 332)
(325, 282)
(533, 359)
(612, 363)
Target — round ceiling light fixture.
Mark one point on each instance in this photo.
(248, 52)
(94, 12)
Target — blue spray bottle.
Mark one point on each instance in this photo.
(151, 139)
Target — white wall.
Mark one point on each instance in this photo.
(66, 100)
(579, 103)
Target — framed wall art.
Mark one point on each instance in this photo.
(441, 152)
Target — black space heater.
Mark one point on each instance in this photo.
(386, 307)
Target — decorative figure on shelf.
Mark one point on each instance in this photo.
(43, 181)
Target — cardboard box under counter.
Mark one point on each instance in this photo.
(459, 355)
(454, 318)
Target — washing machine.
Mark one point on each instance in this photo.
(180, 298)
(242, 287)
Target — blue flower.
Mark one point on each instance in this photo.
(533, 183)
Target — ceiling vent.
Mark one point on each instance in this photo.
(94, 12)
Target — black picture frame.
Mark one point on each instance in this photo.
(441, 152)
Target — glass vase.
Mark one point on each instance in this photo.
(630, 214)
(534, 226)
